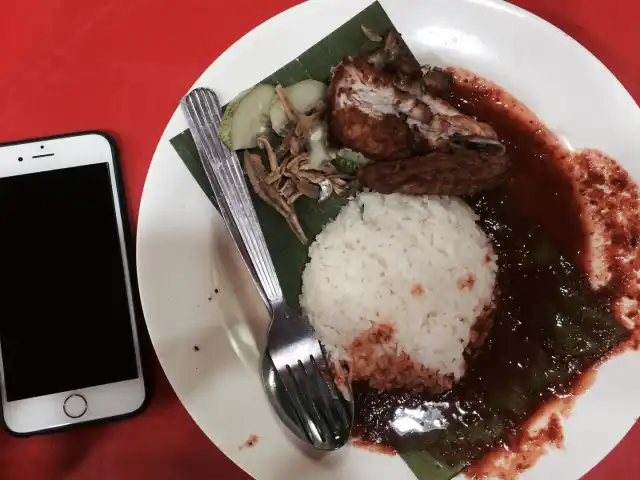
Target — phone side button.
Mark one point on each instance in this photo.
(75, 406)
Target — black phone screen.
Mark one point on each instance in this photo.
(65, 322)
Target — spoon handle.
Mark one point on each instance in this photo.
(204, 114)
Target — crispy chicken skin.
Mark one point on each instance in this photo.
(369, 113)
(438, 173)
(383, 138)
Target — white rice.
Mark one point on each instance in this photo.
(402, 261)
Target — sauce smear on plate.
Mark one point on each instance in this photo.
(552, 322)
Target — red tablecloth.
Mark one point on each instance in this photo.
(121, 66)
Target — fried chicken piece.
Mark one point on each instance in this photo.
(456, 173)
(381, 106)
(369, 112)
(426, 85)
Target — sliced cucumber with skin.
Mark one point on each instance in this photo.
(225, 124)
(304, 96)
(247, 117)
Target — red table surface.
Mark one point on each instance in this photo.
(122, 66)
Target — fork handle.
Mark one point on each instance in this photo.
(222, 166)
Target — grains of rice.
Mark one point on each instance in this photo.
(398, 286)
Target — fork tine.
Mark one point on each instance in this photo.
(332, 398)
(325, 394)
(307, 392)
(321, 402)
(288, 381)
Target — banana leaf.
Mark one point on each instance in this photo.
(575, 332)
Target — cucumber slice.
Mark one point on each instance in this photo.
(303, 96)
(247, 117)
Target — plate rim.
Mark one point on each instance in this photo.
(256, 31)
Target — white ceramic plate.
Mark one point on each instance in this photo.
(184, 254)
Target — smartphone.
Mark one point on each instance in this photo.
(69, 350)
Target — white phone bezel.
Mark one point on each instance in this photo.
(103, 401)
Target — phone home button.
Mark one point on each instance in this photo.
(75, 406)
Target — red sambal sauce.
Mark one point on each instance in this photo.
(537, 348)
(538, 185)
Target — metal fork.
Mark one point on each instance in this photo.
(322, 411)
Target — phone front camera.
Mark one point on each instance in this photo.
(19, 159)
